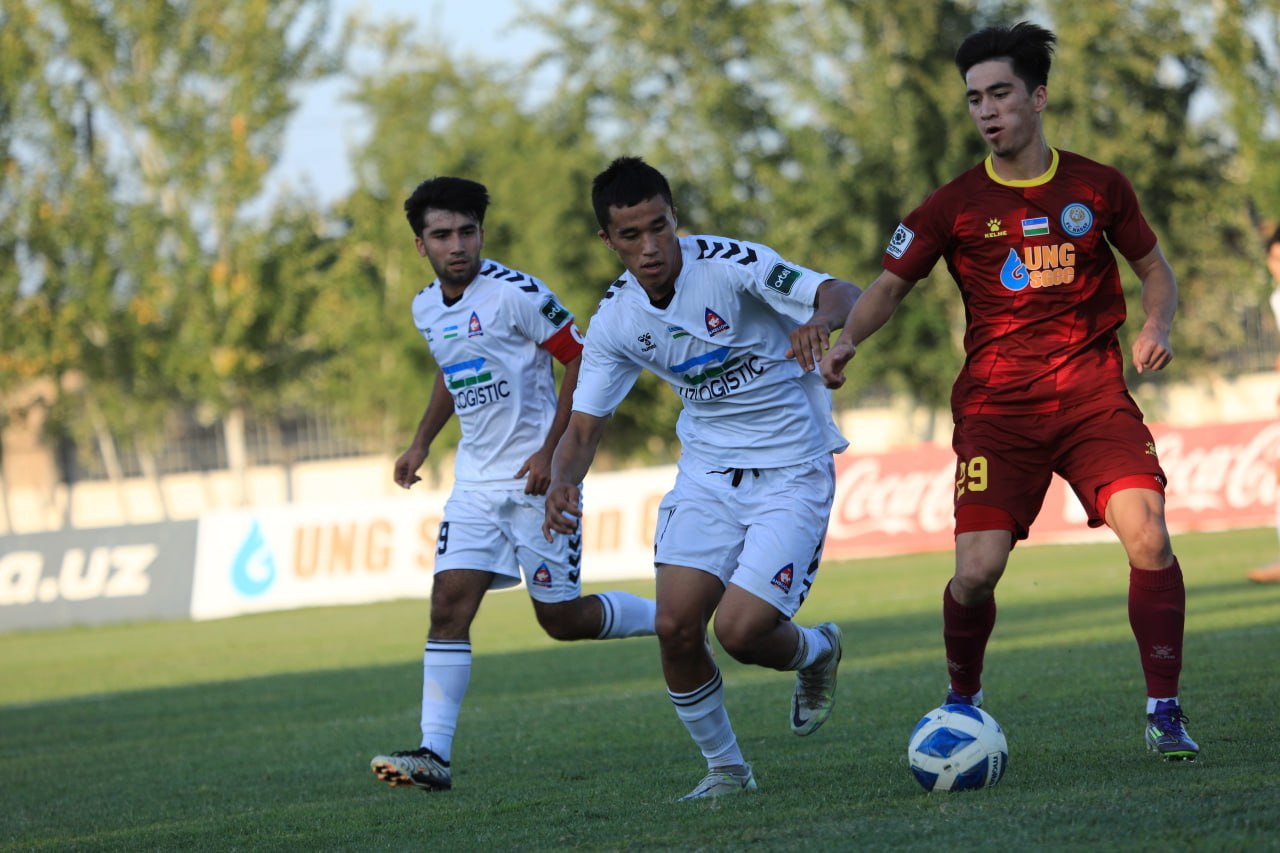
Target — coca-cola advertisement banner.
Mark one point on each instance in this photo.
(1221, 476)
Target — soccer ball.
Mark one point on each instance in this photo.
(957, 748)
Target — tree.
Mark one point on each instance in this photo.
(158, 123)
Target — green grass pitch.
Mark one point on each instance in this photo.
(255, 733)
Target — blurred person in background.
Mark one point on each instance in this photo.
(1271, 573)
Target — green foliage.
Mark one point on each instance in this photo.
(263, 726)
(136, 279)
(140, 285)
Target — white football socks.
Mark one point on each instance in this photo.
(625, 615)
(446, 671)
(811, 644)
(703, 713)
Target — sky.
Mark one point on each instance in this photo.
(322, 130)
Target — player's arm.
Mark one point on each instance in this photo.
(832, 303)
(538, 466)
(871, 311)
(1151, 349)
(573, 457)
(439, 410)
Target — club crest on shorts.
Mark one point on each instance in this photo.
(715, 323)
(541, 576)
(783, 577)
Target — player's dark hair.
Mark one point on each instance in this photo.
(457, 195)
(1027, 46)
(628, 181)
(1274, 238)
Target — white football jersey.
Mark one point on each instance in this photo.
(720, 345)
(503, 387)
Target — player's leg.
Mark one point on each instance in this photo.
(1112, 466)
(1271, 573)
(697, 540)
(473, 555)
(786, 512)
(446, 672)
(686, 599)
(969, 608)
(1003, 470)
(1157, 614)
(553, 575)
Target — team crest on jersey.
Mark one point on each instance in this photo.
(900, 240)
(555, 313)
(783, 577)
(473, 327)
(782, 278)
(1076, 219)
(541, 576)
(715, 323)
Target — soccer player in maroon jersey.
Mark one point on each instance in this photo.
(1025, 235)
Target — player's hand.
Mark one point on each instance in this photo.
(808, 343)
(562, 510)
(833, 363)
(1152, 350)
(538, 469)
(406, 470)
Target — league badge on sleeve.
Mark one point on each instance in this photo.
(554, 312)
(900, 240)
(782, 278)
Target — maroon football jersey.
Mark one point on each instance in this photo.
(1040, 284)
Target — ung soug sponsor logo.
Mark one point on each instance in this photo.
(1039, 266)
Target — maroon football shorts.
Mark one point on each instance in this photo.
(1004, 463)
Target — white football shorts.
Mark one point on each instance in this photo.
(501, 532)
(761, 529)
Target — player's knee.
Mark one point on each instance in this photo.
(738, 644)
(1149, 547)
(567, 620)
(973, 584)
(677, 634)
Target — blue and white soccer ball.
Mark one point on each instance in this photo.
(957, 748)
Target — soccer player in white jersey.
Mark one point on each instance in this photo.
(493, 331)
(736, 331)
